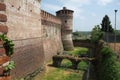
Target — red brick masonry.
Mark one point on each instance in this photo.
(3, 18)
(2, 7)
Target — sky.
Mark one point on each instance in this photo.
(87, 13)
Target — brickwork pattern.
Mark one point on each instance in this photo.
(3, 18)
(2, 7)
(28, 57)
(52, 29)
(34, 43)
(66, 17)
(4, 59)
(45, 16)
(26, 32)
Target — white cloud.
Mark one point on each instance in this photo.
(75, 5)
(104, 2)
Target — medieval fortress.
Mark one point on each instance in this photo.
(37, 34)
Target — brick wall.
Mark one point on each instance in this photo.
(28, 56)
(52, 30)
(4, 59)
(34, 43)
(24, 28)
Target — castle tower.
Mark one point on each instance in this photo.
(66, 17)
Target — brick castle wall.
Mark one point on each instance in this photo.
(35, 33)
(4, 59)
(24, 28)
(52, 30)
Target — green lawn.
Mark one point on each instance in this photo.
(63, 73)
(77, 51)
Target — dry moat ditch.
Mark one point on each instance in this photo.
(66, 73)
(84, 71)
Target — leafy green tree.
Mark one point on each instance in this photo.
(96, 34)
(76, 35)
(106, 24)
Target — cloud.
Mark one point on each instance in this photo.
(104, 2)
(75, 5)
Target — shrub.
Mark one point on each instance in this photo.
(66, 63)
(109, 68)
(82, 65)
(8, 45)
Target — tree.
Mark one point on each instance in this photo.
(76, 35)
(106, 24)
(96, 34)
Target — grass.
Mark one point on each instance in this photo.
(62, 73)
(65, 72)
(77, 51)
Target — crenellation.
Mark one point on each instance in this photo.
(49, 17)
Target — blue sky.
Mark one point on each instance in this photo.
(87, 13)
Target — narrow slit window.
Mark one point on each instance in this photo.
(65, 21)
